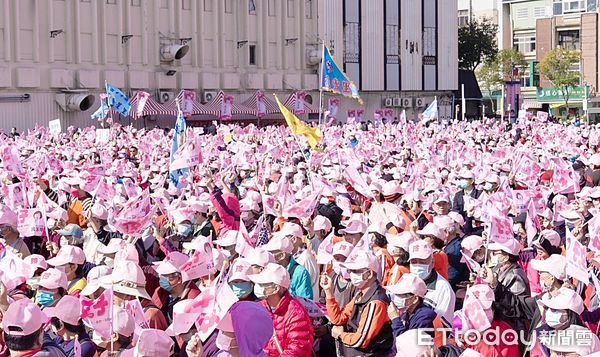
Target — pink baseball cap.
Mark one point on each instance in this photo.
(128, 252)
(354, 227)
(555, 265)
(23, 318)
(279, 242)
(127, 278)
(321, 223)
(153, 342)
(185, 315)
(240, 270)
(443, 222)
(441, 196)
(342, 248)
(68, 254)
(228, 239)
(274, 274)
(550, 235)
(8, 217)
(391, 187)
(99, 211)
(377, 227)
(67, 309)
(402, 240)
(94, 279)
(291, 229)
(171, 263)
(471, 243)
(114, 245)
(457, 218)
(420, 250)
(566, 299)
(431, 229)
(413, 343)
(37, 261)
(260, 257)
(362, 260)
(483, 293)
(408, 284)
(53, 279)
(511, 247)
(123, 323)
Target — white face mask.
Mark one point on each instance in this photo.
(399, 302)
(553, 319)
(225, 343)
(357, 280)
(324, 200)
(493, 261)
(516, 228)
(420, 270)
(64, 241)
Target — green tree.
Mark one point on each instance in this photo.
(476, 43)
(488, 75)
(508, 61)
(557, 67)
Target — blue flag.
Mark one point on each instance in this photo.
(334, 80)
(118, 100)
(432, 111)
(102, 112)
(178, 140)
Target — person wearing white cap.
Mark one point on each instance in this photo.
(408, 310)
(362, 325)
(397, 246)
(321, 228)
(293, 335)
(466, 189)
(343, 290)
(440, 295)
(503, 261)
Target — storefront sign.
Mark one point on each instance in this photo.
(547, 95)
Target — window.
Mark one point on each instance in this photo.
(228, 7)
(557, 7)
(308, 9)
(136, 3)
(524, 43)
(291, 4)
(208, 5)
(251, 7)
(573, 6)
(463, 17)
(271, 7)
(186, 4)
(522, 13)
(86, 0)
(569, 39)
(252, 55)
(111, 2)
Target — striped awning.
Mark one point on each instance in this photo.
(171, 107)
(270, 106)
(291, 101)
(214, 106)
(150, 108)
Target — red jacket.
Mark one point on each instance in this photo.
(293, 328)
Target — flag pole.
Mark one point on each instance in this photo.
(321, 82)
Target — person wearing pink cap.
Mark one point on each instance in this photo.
(9, 235)
(71, 259)
(226, 204)
(451, 226)
(321, 228)
(398, 248)
(239, 282)
(67, 325)
(123, 327)
(293, 335)
(503, 261)
(151, 343)
(435, 236)
(23, 326)
(362, 326)
(343, 290)
(407, 310)
(51, 287)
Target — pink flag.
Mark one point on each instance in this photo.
(188, 155)
(475, 314)
(76, 348)
(130, 188)
(97, 314)
(14, 271)
(226, 107)
(576, 259)
(142, 100)
(135, 216)
(261, 108)
(214, 303)
(532, 223)
(303, 208)
(501, 230)
(134, 308)
(10, 160)
(314, 309)
(594, 227)
(356, 181)
(187, 103)
(199, 265)
(299, 103)
(32, 222)
(325, 251)
(16, 195)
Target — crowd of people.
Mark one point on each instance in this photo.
(398, 239)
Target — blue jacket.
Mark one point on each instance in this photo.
(422, 317)
(457, 271)
(300, 280)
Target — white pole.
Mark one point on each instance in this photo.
(502, 106)
(321, 82)
(464, 101)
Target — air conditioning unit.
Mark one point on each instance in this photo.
(75, 100)
(419, 102)
(165, 96)
(397, 101)
(207, 96)
(406, 102)
(388, 102)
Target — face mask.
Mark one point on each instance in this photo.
(553, 319)
(545, 287)
(44, 298)
(357, 280)
(488, 186)
(184, 229)
(324, 200)
(337, 268)
(399, 302)
(241, 290)
(259, 291)
(462, 184)
(420, 270)
(164, 283)
(493, 261)
(64, 241)
(225, 343)
(109, 262)
(50, 223)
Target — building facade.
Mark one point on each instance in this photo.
(536, 26)
(54, 54)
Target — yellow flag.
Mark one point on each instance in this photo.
(312, 135)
